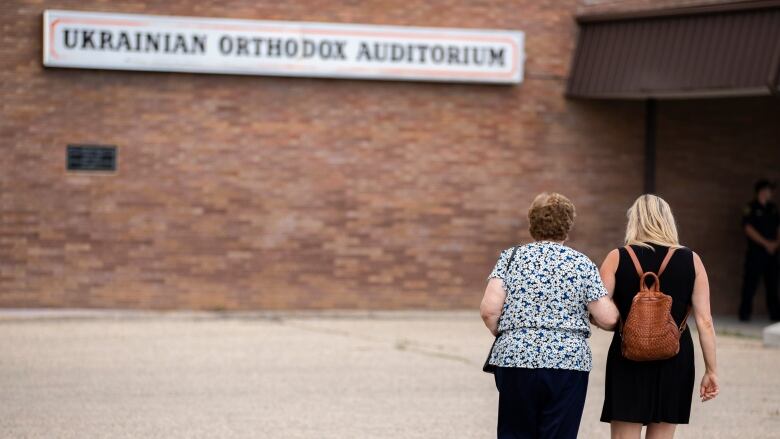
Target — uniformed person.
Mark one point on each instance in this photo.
(761, 222)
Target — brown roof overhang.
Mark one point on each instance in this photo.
(730, 49)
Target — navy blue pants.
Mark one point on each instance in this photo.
(540, 403)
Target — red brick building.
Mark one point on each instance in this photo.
(255, 192)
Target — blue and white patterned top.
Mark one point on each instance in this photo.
(544, 322)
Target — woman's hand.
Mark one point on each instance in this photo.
(595, 323)
(603, 312)
(709, 386)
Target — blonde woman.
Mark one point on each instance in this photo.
(537, 300)
(657, 394)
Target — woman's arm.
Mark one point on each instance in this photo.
(608, 270)
(701, 311)
(603, 312)
(492, 304)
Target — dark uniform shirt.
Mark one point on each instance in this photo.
(764, 218)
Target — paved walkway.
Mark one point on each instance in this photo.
(730, 325)
(307, 375)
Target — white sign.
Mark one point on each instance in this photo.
(249, 47)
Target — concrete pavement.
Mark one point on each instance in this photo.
(78, 374)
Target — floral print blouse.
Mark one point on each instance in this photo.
(544, 321)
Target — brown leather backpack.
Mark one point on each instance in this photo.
(650, 332)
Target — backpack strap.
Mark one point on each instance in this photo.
(684, 323)
(638, 266)
(640, 272)
(669, 254)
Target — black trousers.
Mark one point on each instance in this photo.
(760, 265)
(540, 403)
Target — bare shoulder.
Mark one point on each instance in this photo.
(612, 258)
(698, 265)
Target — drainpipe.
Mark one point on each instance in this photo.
(650, 137)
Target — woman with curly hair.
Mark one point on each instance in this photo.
(537, 302)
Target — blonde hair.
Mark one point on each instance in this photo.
(550, 217)
(650, 221)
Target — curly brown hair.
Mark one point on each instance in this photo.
(550, 217)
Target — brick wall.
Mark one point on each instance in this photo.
(272, 193)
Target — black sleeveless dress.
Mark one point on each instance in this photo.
(652, 391)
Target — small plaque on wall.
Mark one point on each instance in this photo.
(91, 158)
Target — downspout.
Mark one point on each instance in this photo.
(650, 138)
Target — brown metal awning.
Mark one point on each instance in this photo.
(723, 50)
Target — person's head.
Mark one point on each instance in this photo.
(550, 217)
(763, 190)
(650, 221)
